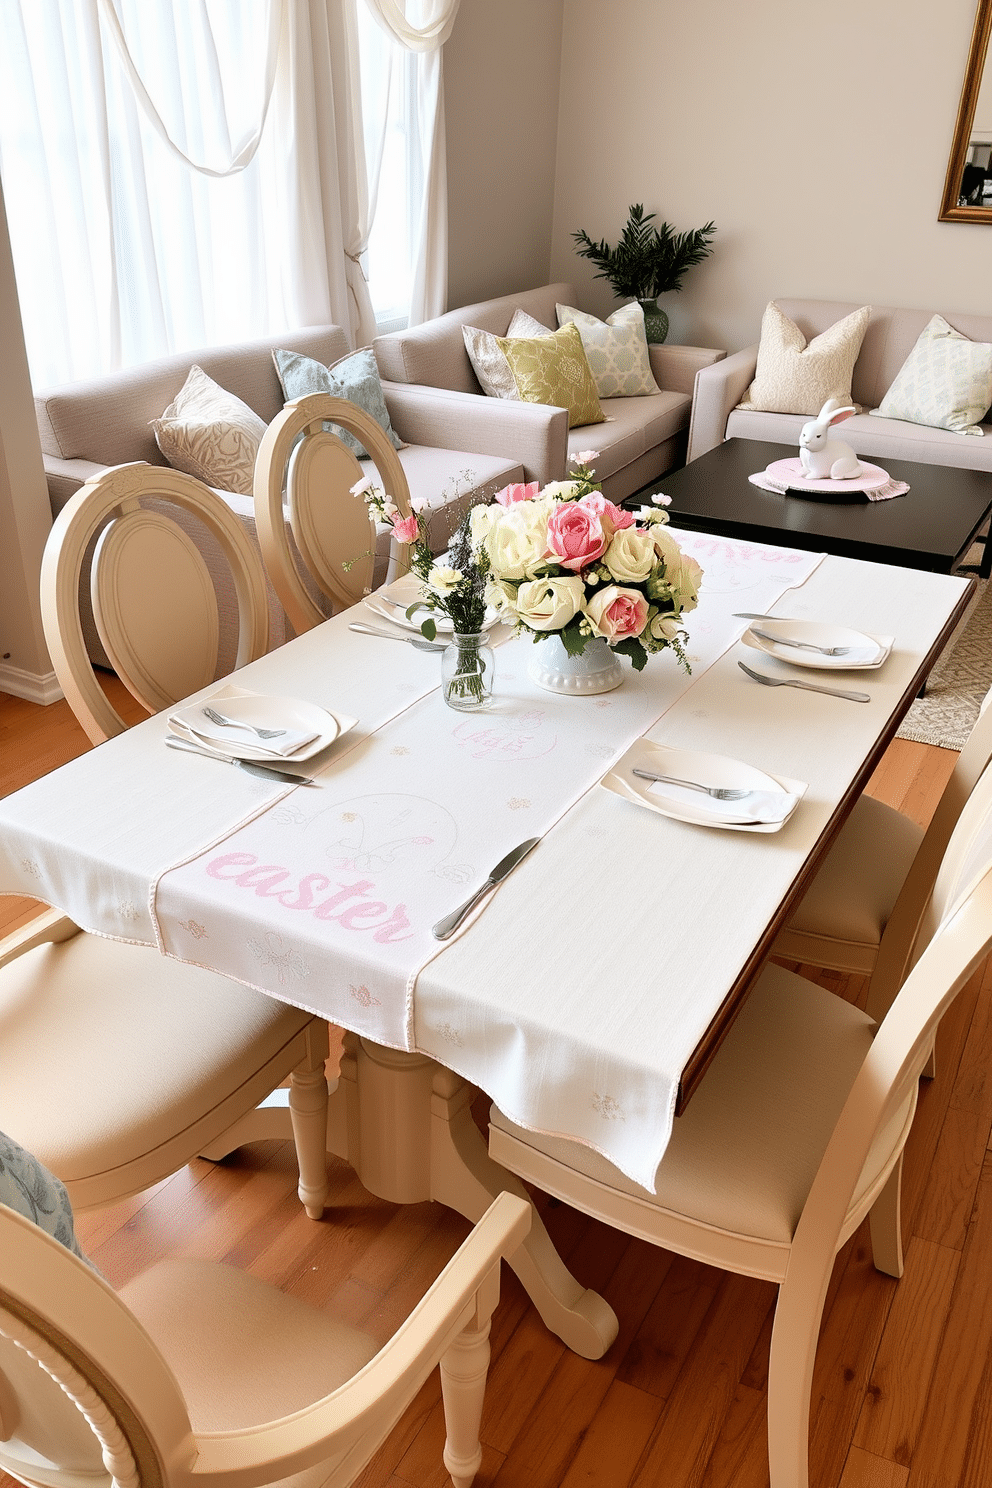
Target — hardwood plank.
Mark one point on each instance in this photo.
(615, 1440)
(861, 1470)
(907, 1355)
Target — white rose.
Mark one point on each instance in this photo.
(500, 596)
(517, 540)
(444, 580)
(549, 604)
(561, 490)
(682, 572)
(664, 627)
(631, 555)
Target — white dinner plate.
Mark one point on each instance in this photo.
(264, 712)
(869, 650)
(707, 769)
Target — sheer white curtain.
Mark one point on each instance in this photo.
(421, 27)
(123, 252)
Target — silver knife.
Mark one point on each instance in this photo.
(744, 615)
(506, 865)
(254, 767)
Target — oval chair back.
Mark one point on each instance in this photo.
(153, 598)
(304, 466)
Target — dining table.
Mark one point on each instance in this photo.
(587, 992)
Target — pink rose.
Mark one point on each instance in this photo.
(517, 492)
(405, 529)
(616, 516)
(618, 613)
(575, 535)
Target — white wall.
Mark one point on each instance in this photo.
(501, 73)
(816, 137)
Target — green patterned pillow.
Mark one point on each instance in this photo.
(355, 377)
(617, 350)
(553, 370)
(945, 382)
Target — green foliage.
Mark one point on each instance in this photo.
(632, 647)
(647, 261)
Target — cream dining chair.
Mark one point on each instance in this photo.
(862, 909)
(196, 1373)
(117, 1065)
(153, 599)
(794, 1135)
(305, 467)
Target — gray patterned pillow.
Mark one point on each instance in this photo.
(491, 367)
(30, 1189)
(211, 434)
(355, 377)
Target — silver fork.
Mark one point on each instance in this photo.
(420, 642)
(855, 697)
(803, 645)
(263, 733)
(718, 792)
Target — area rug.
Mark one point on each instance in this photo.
(946, 714)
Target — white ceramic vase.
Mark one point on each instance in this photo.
(597, 669)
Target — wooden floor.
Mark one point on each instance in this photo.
(903, 1388)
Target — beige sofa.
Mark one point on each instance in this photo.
(89, 425)
(889, 339)
(428, 376)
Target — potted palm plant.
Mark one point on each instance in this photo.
(647, 261)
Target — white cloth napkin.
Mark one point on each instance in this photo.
(756, 806)
(193, 722)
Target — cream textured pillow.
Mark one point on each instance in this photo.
(491, 367)
(945, 382)
(617, 350)
(211, 434)
(792, 377)
(553, 370)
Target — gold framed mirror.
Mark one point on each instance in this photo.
(968, 185)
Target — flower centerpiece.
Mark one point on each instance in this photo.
(564, 562)
(453, 586)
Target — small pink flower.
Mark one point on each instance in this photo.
(584, 457)
(405, 529)
(575, 535)
(616, 516)
(517, 492)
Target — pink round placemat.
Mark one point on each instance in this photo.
(790, 472)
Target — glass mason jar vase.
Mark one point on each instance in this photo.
(467, 667)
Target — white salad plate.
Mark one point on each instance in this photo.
(685, 805)
(262, 712)
(866, 653)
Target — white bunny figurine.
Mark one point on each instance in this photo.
(822, 456)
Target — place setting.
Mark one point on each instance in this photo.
(709, 790)
(269, 736)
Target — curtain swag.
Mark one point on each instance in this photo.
(244, 152)
(391, 15)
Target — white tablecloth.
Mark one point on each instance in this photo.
(594, 970)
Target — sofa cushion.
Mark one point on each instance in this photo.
(209, 433)
(874, 438)
(793, 376)
(446, 483)
(553, 370)
(632, 427)
(945, 382)
(489, 362)
(355, 378)
(617, 350)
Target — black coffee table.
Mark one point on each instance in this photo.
(931, 527)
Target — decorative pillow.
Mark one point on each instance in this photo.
(355, 377)
(30, 1189)
(617, 350)
(945, 382)
(792, 377)
(553, 370)
(491, 367)
(211, 434)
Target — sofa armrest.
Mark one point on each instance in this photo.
(65, 478)
(675, 367)
(718, 389)
(530, 434)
